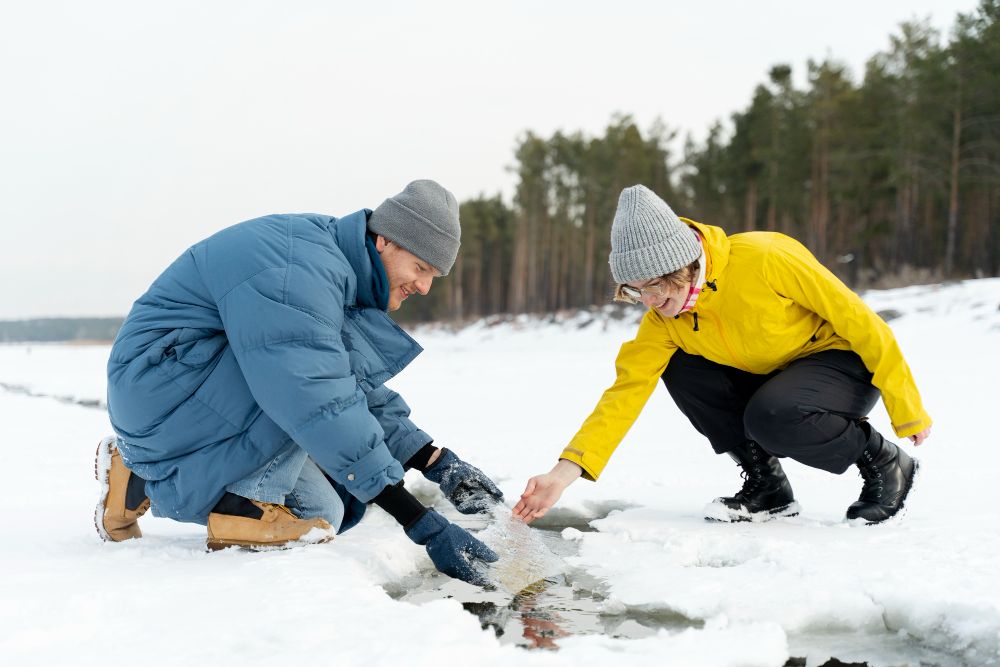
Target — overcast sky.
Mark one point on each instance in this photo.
(130, 130)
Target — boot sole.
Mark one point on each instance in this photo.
(102, 467)
(219, 545)
(900, 511)
(729, 515)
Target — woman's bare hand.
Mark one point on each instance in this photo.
(542, 491)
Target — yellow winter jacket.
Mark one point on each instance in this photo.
(773, 303)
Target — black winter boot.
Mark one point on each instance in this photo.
(766, 493)
(888, 473)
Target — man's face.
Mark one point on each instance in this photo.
(662, 295)
(408, 274)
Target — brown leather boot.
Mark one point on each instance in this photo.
(270, 526)
(115, 518)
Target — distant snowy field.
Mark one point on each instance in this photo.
(924, 589)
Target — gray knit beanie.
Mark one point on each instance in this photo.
(423, 219)
(647, 239)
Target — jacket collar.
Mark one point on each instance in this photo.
(351, 235)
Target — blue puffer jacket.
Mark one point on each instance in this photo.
(266, 332)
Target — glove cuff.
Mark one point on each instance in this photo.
(435, 472)
(426, 526)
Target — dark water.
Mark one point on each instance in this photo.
(71, 400)
(549, 609)
(573, 603)
(554, 608)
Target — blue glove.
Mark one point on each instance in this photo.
(466, 486)
(452, 549)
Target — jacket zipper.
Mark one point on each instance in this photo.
(737, 362)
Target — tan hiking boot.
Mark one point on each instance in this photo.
(115, 518)
(275, 526)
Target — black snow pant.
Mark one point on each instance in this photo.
(809, 411)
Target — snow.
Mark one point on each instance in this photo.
(507, 397)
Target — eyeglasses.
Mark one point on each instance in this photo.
(635, 294)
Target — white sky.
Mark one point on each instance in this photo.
(130, 130)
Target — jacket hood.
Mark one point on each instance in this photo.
(716, 245)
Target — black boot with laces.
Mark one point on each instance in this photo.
(888, 474)
(766, 493)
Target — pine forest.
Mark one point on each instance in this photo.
(890, 180)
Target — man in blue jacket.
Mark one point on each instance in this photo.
(246, 386)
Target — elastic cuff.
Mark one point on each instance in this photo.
(574, 455)
(419, 460)
(400, 503)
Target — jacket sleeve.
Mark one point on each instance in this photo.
(639, 366)
(793, 272)
(402, 436)
(295, 363)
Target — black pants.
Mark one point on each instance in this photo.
(809, 411)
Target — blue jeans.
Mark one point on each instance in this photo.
(294, 480)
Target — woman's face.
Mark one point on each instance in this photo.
(662, 296)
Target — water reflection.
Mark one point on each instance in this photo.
(553, 608)
(541, 625)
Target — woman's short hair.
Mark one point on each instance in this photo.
(678, 278)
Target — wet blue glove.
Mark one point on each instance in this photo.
(452, 549)
(466, 486)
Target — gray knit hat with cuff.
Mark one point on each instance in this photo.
(648, 240)
(423, 219)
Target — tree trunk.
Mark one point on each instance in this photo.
(495, 280)
(823, 219)
(956, 140)
(518, 296)
(750, 207)
(589, 263)
(819, 217)
(456, 292)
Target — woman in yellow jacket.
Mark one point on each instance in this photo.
(763, 349)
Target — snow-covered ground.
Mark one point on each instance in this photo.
(924, 589)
